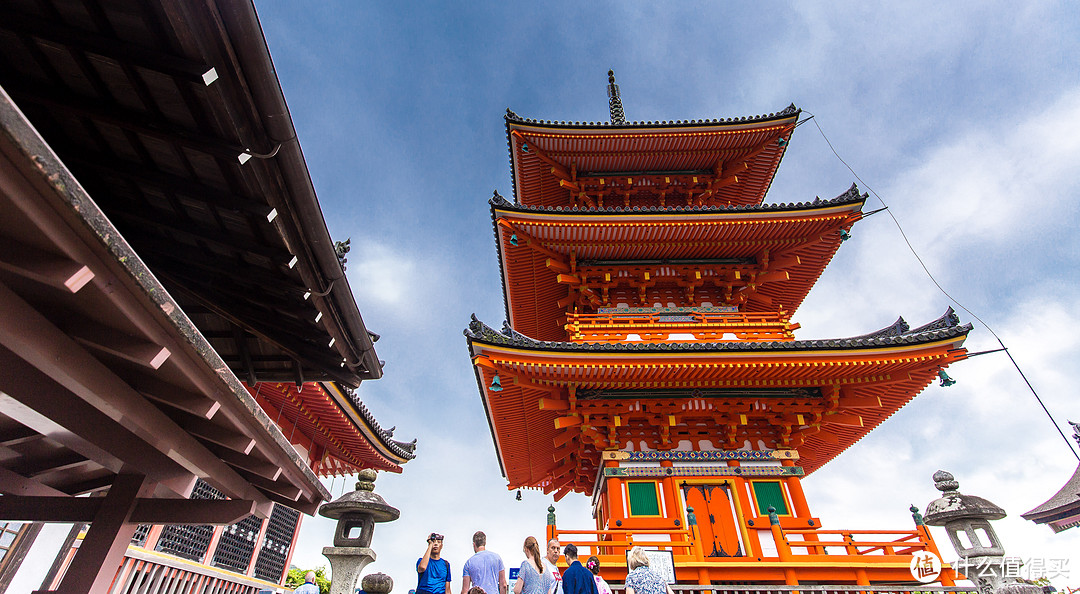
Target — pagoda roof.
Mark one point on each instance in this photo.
(594, 148)
(944, 328)
(1062, 511)
(875, 374)
(795, 241)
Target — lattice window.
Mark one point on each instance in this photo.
(237, 543)
(8, 532)
(139, 538)
(190, 542)
(643, 499)
(769, 493)
(270, 565)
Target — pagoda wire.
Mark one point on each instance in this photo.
(942, 289)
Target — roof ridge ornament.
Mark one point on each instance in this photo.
(614, 101)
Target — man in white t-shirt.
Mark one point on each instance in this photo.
(550, 564)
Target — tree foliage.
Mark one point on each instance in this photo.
(296, 579)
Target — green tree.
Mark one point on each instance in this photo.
(296, 579)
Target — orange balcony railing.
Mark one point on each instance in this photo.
(705, 326)
(769, 554)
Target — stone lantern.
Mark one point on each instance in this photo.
(966, 519)
(356, 514)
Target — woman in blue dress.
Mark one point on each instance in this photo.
(532, 579)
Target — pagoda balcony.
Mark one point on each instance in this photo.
(775, 556)
(686, 324)
(618, 588)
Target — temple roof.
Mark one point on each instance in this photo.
(342, 432)
(780, 250)
(946, 327)
(787, 112)
(1062, 511)
(859, 382)
(172, 118)
(101, 371)
(750, 148)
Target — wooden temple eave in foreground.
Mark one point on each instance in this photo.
(695, 163)
(577, 400)
(105, 382)
(170, 296)
(757, 258)
(170, 115)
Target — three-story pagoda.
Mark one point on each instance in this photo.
(649, 359)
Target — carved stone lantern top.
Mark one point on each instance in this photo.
(953, 505)
(361, 502)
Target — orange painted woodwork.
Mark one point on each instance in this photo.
(761, 259)
(650, 361)
(889, 370)
(719, 536)
(730, 162)
(314, 416)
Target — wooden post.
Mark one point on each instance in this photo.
(552, 532)
(94, 567)
(17, 552)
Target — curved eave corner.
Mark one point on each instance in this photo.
(483, 398)
(319, 259)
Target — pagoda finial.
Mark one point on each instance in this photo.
(614, 101)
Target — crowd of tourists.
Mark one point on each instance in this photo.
(485, 573)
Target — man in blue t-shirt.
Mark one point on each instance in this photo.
(485, 569)
(432, 571)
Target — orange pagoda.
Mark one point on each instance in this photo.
(649, 360)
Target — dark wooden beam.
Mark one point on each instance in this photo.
(313, 356)
(20, 508)
(13, 483)
(187, 188)
(94, 566)
(125, 119)
(222, 239)
(35, 468)
(167, 394)
(18, 434)
(253, 462)
(192, 511)
(240, 338)
(212, 432)
(58, 33)
(38, 348)
(37, 264)
(110, 340)
(280, 488)
(243, 274)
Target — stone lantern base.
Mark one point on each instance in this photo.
(346, 563)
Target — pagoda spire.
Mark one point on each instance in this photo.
(614, 101)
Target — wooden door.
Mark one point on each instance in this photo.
(717, 527)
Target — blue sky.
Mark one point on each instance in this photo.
(965, 117)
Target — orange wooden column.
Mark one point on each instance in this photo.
(798, 498)
(614, 497)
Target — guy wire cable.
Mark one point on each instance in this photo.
(942, 289)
